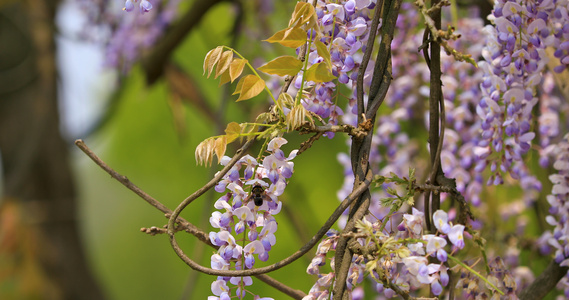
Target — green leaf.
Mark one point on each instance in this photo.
(396, 179)
(251, 87)
(323, 52)
(379, 180)
(411, 174)
(319, 73)
(289, 37)
(391, 191)
(232, 131)
(282, 66)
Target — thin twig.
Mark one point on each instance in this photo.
(299, 253)
(367, 56)
(238, 154)
(436, 188)
(182, 223)
(438, 35)
(360, 150)
(308, 143)
(437, 162)
(382, 92)
(436, 105)
(359, 131)
(342, 269)
(190, 228)
(545, 282)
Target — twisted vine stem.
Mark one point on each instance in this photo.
(389, 11)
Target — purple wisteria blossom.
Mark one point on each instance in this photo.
(515, 59)
(345, 31)
(127, 33)
(246, 231)
(559, 201)
(405, 259)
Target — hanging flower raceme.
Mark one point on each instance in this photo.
(515, 59)
(245, 215)
(559, 201)
(403, 258)
(344, 32)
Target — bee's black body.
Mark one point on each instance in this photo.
(257, 194)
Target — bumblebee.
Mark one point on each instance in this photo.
(258, 195)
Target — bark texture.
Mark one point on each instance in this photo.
(36, 175)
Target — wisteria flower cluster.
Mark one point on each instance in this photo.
(246, 228)
(345, 32)
(400, 261)
(551, 108)
(559, 201)
(127, 34)
(516, 80)
(515, 59)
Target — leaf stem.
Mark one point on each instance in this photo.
(456, 260)
(304, 68)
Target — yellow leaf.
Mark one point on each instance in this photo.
(220, 147)
(210, 147)
(239, 86)
(211, 59)
(323, 52)
(302, 14)
(233, 130)
(224, 78)
(289, 37)
(224, 62)
(282, 66)
(236, 68)
(286, 100)
(204, 152)
(318, 73)
(251, 87)
(296, 117)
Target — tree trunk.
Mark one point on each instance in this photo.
(36, 175)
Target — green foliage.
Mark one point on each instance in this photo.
(319, 73)
(282, 66)
(289, 37)
(398, 201)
